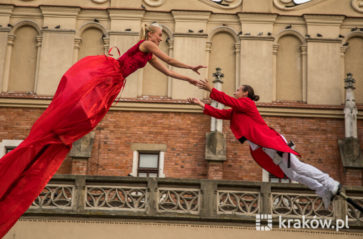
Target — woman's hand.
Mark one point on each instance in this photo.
(197, 68)
(205, 85)
(193, 82)
(196, 101)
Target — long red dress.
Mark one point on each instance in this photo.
(84, 95)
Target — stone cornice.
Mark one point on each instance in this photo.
(6, 9)
(119, 14)
(319, 19)
(5, 29)
(180, 15)
(257, 17)
(119, 33)
(193, 35)
(324, 40)
(61, 12)
(170, 105)
(258, 38)
(59, 30)
(27, 12)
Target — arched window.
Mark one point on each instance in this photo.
(289, 69)
(354, 64)
(154, 82)
(23, 60)
(91, 43)
(223, 55)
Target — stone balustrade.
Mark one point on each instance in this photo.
(187, 199)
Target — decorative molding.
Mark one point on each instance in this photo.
(116, 33)
(61, 12)
(237, 47)
(181, 200)
(99, 1)
(116, 198)
(324, 40)
(189, 200)
(225, 4)
(11, 39)
(303, 49)
(259, 38)
(123, 14)
(6, 10)
(55, 196)
(5, 29)
(290, 32)
(299, 204)
(148, 147)
(188, 16)
(324, 20)
(225, 30)
(275, 48)
(194, 35)
(39, 40)
(59, 30)
(91, 25)
(266, 109)
(354, 213)
(354, 34)
(357, 5)
(238, 202)
(208, 46)
(77, 42)
(257, 18)
(25, 23)
(154, 3)
(172, 224)
(289, 5)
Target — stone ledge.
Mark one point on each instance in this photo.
(209, 196)
(172, 105)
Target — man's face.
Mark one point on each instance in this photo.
(239, 93)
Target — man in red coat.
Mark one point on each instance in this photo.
(268, 148)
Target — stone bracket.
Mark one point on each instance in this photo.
(350, 153)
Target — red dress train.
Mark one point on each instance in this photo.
(84, 95)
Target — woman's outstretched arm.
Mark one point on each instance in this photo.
(149, 46)
(162, 68)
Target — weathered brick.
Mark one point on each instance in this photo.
(184, 135)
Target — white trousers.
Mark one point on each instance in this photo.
(301, 172)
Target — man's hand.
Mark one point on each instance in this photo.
(205, 85)
(196, 101)
(193, 82)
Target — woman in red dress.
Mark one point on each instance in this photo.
(84, 95)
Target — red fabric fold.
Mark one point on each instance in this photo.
(84, 95)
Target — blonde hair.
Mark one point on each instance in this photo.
(145, 29)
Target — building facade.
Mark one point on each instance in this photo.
(296, 57)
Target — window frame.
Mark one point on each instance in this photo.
(7, 144)
(148, 170)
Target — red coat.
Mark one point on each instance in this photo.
(247, 122)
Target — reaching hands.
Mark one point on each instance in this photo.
(197, 68)
(196, 101)
(204, 85)
(193, 82)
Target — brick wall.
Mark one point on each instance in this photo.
(184, 135)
